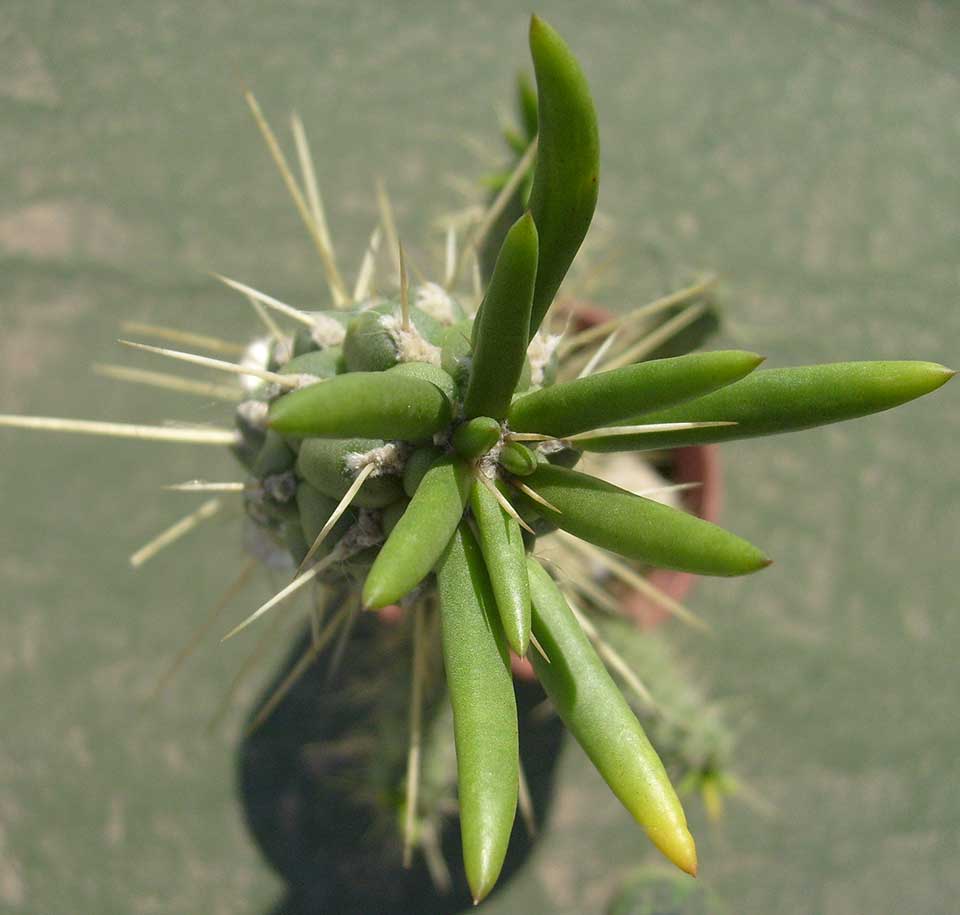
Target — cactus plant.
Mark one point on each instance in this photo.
(421, 448)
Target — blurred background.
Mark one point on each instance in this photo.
(806, 151)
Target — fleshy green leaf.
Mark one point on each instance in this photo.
(594, 710)
(370, 404)
(323, 463)
(484, 710)
(501, 342)
(786, 400)
(421, 535)
(639, 528)
(527, 105)
(518, 459)
(505, 556)
(567, 174)
(476, 437)
(611, 397)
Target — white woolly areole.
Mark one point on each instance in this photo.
(255, 356)
(489, 461)
(254, 413)
(365, 532)
(283, 350)
(305, 379)
(411, 347)
(541, 349)
(327, 331)
(434, 300)
(552, 446)
(388, 458)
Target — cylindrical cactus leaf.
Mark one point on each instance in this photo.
(392, 514)
(501, 342)
(476, 437)
(639, 528)
(323, 462)
(372, 404)
(480, 685)
(426, 372)
(416, 467)
(421, 535)
(273, 457)
(594, 710)
(455, 351)
(369, 345)
(771, 401)
(294, 540)
(313, 509)
(320, 362)
(527, 106)
(567, 173)
(518, 459)
(611, 397)
(501, 542)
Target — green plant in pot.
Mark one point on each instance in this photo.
(406, 452)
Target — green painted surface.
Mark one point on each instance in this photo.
(808, 152)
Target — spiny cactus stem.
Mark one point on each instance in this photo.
(175, 335)
(241, 580)
(416, 737)
(166, 380)
(175, 532)
(334, 280)
(280, 307)
(289, 382)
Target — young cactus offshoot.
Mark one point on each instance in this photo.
(420, 449)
